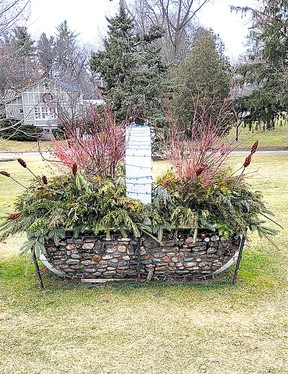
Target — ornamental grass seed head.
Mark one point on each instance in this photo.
(254, 147)
(5, 173)
(247, 160)
(22, 162)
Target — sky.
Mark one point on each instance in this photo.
(87, 18)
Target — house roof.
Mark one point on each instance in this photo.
(74, 87)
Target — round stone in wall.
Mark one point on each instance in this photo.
(121, 248)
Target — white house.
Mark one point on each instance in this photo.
(43, 103)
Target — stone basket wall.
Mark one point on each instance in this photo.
(92, 257)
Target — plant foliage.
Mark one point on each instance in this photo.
(217, 200)
(15, 130)
(205, 73)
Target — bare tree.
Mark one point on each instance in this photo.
(177, 17)
(11, 11)
(12, 42)
(18, 65)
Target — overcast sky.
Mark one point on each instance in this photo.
(87, 18)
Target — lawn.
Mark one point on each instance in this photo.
(277, 140)
(24, 146)
(212, 327)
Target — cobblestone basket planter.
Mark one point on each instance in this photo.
(95, 257)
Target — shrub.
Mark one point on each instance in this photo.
(15, 130)
(96, 145)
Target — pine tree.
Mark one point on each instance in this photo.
(69, 58)
(132, 70)
(265, 67)
(203, 77)
(23, 42)
(46, 54)
(23, 57)
(61, 57)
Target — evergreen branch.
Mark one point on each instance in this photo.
(272, 220)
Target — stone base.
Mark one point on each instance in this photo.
(94, 257)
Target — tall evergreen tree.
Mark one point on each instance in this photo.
(18, 67)
(203, 77)
(23, 41)
(70, 59)
(266, 65)
(131, 68)
(46, 53)
(62, 58)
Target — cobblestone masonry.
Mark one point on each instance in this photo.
(95, 257)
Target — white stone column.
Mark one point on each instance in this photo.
(138, 163)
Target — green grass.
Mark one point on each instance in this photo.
(268, 140)
(15, 146)
(277, 139)
(208, 327)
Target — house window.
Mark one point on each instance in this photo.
(43, 112)
(37, 113)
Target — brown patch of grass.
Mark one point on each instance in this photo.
(162, 330)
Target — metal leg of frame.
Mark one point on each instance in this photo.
(138, 245)
(239, 260)
(37, 270)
